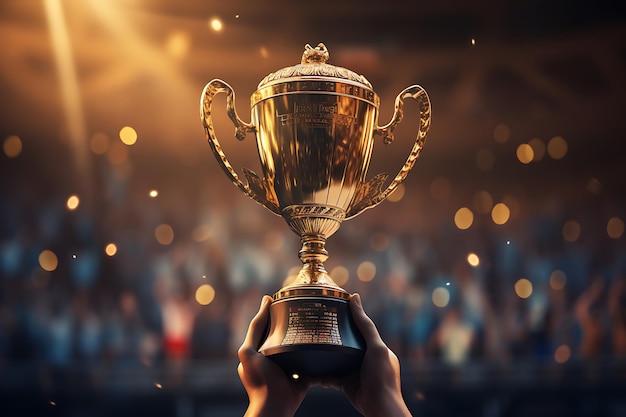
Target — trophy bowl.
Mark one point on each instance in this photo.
(315, 125)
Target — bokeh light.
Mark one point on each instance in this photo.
(12, 146)
(153, 193)
(366, 271)
(48, 260)
(164, 234)
(128, 135)
(216, 24)
(205, 294)
(523, 288)
(562, 354)
(110, 249)
(615, 227)
(440, 297)
(501, 133)
(340, 275)
(557, 147)
(473, 259)
(525, 153)
(397, 194)
(72, 202)
(463, 218)
(571, 231)
(558, 279)
(500, 213)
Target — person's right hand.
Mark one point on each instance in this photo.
(375, 390)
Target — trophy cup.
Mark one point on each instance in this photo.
(314, 124)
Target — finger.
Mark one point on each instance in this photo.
(365, 325)
(256, 329)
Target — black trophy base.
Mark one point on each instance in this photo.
(312, 333)
(317, 360)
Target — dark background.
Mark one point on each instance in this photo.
(124, 334)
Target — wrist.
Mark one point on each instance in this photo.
(268, 409)
(391, 405)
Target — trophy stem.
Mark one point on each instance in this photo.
(313, 254)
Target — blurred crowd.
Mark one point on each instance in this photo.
(430, 303)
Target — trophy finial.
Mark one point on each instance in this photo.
(317, 55)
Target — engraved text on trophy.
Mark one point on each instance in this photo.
(316, 115)
(312, 323)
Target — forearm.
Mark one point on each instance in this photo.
(257, 410)
(390, 405)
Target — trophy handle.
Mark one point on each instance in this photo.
(257, 188)
(370, 194)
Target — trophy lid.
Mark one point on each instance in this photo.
(314, 64)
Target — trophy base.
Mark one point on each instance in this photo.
(316, 360)
(312, 332)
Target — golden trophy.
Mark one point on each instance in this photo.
(314, 124)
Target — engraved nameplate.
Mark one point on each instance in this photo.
(312, 323)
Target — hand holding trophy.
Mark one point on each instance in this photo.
(315, 125)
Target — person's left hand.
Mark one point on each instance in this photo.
(270, 391)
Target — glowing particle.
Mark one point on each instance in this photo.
(110, 249)
(508, 242)
(153, 193)
(216, 24)
(448, 283)
(523, 288)
(295, 377)
(473, 41)
(52, 403)
(128, 135)
(236, 16)
(463, 218)
(74, 256)
(473, 259)
(159, 386)
(205, 294)
(204, 276)
(420, 396)
(72, 202)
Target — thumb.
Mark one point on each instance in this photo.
(258, 325)
(365, 324)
